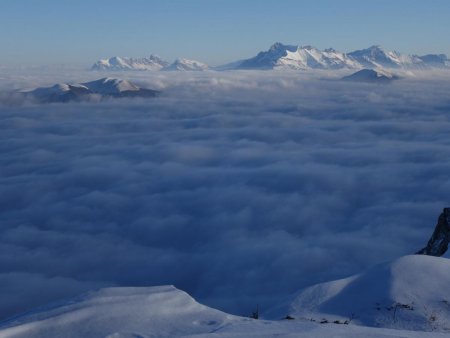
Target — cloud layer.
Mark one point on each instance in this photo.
(239, 188)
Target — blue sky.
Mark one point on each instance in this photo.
(214, 31)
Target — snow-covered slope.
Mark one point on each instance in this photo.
(187, 65)
(435, 60)
(153, 62)
(166, 312)
(110, 85)
(376, 56)
(408, 293)
(120, 312)
(371, 76)
(280, 56)
(105, 87)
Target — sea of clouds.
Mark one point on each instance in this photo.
(237, 187)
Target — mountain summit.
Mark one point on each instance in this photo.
(299, 58)
(187, 65)
(280, 56)
(98, 89)
(153, 62)
(376, 56)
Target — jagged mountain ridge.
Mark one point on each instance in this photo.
(153, 62)
(377, 57)
(186, 65)
(299, 58)
(281, 56)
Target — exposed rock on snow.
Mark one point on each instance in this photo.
(438, 243)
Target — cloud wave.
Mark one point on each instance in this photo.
(238, 187)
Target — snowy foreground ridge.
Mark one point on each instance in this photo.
(403, 298)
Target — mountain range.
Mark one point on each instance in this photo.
(152, 62)
(281, 56)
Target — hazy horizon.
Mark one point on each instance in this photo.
(215, 32)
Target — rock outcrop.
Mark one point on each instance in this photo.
(438, 243)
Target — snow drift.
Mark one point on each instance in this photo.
(408, 293)
(120, 312)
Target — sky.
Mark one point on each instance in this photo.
(214, 31)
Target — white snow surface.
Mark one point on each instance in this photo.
(312, 58)
(104, 86)
(376, 57)
(162, 311)
(109, 85)
(58, 88)
(408, 293)
(153, 62)
(281, 56)
(412, 286)
(187, 65)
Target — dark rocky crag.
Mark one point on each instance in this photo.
(438, 243)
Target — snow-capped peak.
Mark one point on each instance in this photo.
(377, 57)
(110, 85)
(153, 62)
(187, 65)
(102, 88)
(280, 56)
(280, 46)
